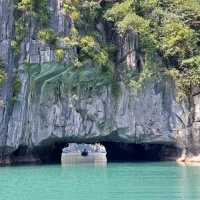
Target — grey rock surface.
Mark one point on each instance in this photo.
(46, 110)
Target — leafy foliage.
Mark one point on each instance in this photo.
(190, 76)
(70, 8)
(24, 11)
(59, 53)
(119, 11)
(47, 35)
(177, 39)
(33, 8)
(2, 73)
(170, 28)
(91, 49)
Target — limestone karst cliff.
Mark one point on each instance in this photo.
(46, 107)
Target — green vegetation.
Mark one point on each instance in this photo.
(177, 40)
(16, 85)
(1, 103)
(92, 53)
(15, 47)
(2, 76)
(168, 29)
(86, 78)
(71, 9)
(47, 35)
(59, 53)
(72, 40)
(90, 13)
(25, 10)
(92, 65)
(27, 66)
(33, 8)
(89, 48)
(2, 73)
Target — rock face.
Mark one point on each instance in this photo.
(6, 29)
(46, 111)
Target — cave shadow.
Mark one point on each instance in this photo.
(128, 152)
(49, 152)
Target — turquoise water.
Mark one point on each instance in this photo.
(117, 181)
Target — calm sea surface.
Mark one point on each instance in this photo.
(116, 181)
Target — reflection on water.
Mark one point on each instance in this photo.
(190, 181)
(117, 181)
(100, 164)
(195, 164)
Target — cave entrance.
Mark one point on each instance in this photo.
(123, 152)
(49, 151)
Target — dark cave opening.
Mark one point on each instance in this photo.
(49, 152)
(116, 152)
(129, 152)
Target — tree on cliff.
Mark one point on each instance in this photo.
(169, 29)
